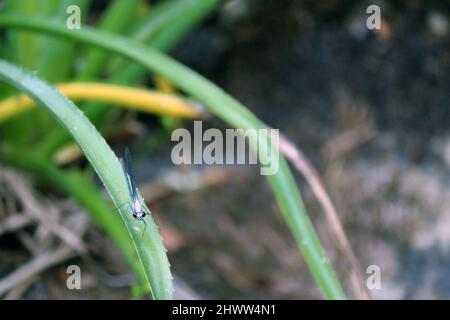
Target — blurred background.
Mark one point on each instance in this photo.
(370, 109)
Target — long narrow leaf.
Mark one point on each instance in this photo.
(114, 19)
(75, 184)
(56, 60)
(169, 21)
(150, 249)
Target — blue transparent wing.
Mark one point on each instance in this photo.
(129, 173)
(127, 177)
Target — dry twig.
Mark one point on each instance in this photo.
(302, 164)
(43, 261)
(36, 210)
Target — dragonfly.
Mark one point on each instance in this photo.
(136, 207)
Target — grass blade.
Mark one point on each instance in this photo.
(137, 99)
(169, 21)
(115, 19)
(150, 249)
(56, 61)
(76, 184)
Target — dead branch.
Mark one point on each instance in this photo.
(302, 164)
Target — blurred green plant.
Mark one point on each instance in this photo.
(159, 30)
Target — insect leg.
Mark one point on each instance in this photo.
(134, 222)
(145, 226)
(121, 206)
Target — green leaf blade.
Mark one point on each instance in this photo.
(150, 248)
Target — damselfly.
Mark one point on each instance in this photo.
(139, 211)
